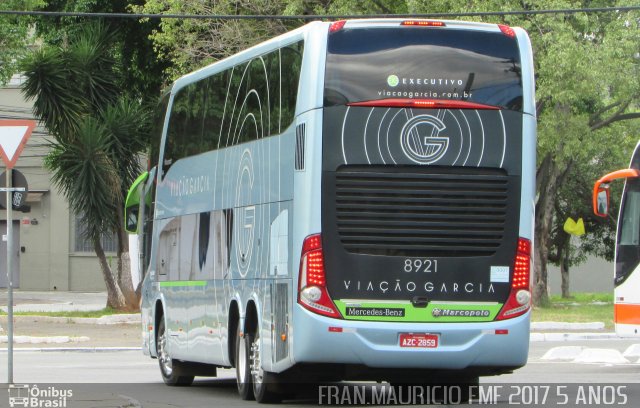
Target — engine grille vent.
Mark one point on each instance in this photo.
(421, 210)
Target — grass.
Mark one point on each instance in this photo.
(580, 308)
(93, 313)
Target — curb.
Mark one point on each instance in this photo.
(103, 320)
(537, 337)
(72, 349)
(582, 327)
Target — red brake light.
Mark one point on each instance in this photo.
(423, 23)
(522, 265)
(424, 104)
(315, 268)
(311, 242)
(337, 26)
(312, 290)
(519, 300)
(508, 31)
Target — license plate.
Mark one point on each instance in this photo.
(412, 340)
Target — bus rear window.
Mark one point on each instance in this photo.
(365, 64)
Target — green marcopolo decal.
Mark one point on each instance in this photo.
(404, 311)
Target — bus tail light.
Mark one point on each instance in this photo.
(312, 288)
(519, 300)
(337, 26)
(423, 23)
(508, 31)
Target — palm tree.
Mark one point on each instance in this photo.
(98, 135)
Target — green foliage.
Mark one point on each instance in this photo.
(583, 298)
(15, 36)
(69, 82)
(579, 308)
(346, 7)
(83, 169)
(587, 313)
(141, 73)
(127, 123)
(107, 311)
(588, 95)
(190, 44)
(55, 101)
(98, 132)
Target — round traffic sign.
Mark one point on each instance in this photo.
(19, 197)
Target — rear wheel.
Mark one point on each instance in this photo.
(264, 382)
(169, 368)
(243, 365)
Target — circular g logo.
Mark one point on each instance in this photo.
(393, 80)
(419, 147)
(244, 225)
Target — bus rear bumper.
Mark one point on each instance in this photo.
(318, 339)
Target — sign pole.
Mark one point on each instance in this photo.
(9, 277)
(13, 138)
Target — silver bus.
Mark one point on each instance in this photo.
(349, 200)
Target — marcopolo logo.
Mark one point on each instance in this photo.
(23, 395)
(437, 312)
(393, 80)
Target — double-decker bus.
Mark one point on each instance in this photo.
(350, 200)
(626, 279)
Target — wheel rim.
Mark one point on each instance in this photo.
(163, 355)
(242, 360)
(256, 367)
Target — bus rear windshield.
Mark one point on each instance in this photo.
(366, 64)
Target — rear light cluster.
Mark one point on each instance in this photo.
(519, 300)
(337, 26)
(312, 289)
(522, 265)
(423, 23)
(506, 30)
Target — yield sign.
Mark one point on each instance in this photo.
(13, 137)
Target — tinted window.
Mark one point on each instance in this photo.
(156, 134)
(630, 220)
(415, 62)
(250, 101)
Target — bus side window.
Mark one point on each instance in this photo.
(630, 228)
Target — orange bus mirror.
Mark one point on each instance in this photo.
(602, 201)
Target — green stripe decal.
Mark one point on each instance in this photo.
(173, 284)
(435, 312)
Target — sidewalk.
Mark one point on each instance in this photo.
(120, 331)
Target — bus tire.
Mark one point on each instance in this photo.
(169, 369)
(264, 382)
(243, 367)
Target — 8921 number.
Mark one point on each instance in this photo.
(421, 265)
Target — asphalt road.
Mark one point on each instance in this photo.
(129, 379)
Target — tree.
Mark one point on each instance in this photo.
(588, 87)
(98, 136)
(581, 105)
(14, 36)
(575, 201)
(141, 69)
(191, 44)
